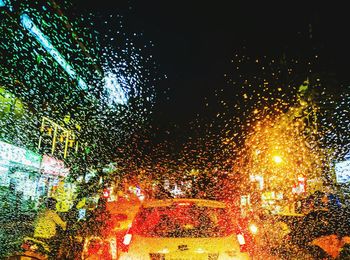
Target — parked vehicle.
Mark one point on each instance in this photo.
(107, 244)
(184, 229)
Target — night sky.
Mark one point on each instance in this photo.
(194, 42)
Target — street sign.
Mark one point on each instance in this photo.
(28, 24)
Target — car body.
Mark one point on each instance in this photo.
(105, 246)
(183, 229)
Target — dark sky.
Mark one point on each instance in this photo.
(194, 41)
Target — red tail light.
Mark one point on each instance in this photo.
(126, 242)
(246, 242)
(127, 239)
(242, 243)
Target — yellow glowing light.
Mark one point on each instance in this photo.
(277, 159)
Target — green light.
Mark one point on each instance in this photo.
(28, 24)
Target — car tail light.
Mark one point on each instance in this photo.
(127, 239)
(126, 242)
(242, 243)
(157, 256)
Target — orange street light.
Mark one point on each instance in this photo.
(277, 159)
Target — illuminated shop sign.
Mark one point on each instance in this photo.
(52, 166)
(259, 179)
(299, 187)
(11, 153)
(28, 24)
(4, 180)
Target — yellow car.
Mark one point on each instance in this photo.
(181, 229)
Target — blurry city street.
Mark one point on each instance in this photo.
(174, 130)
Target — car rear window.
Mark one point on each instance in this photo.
(183, 220)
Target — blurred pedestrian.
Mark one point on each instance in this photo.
(72, 245)
(325, 230)
(45, 226)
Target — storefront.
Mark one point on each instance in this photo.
(19, 172)
(52, 183)
(273, 199)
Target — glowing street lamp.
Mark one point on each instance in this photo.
(28, 24)
(277, 159)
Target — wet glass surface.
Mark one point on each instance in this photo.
(239, 110)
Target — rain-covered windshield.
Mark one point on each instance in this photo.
(106, 106)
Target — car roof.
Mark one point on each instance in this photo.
(169, 202)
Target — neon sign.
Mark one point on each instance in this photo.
(52, 166)
(28, 24)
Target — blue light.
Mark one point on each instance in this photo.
(28, 24)
(2, 3)
(115, 93)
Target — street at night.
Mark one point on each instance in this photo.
(174, 130)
